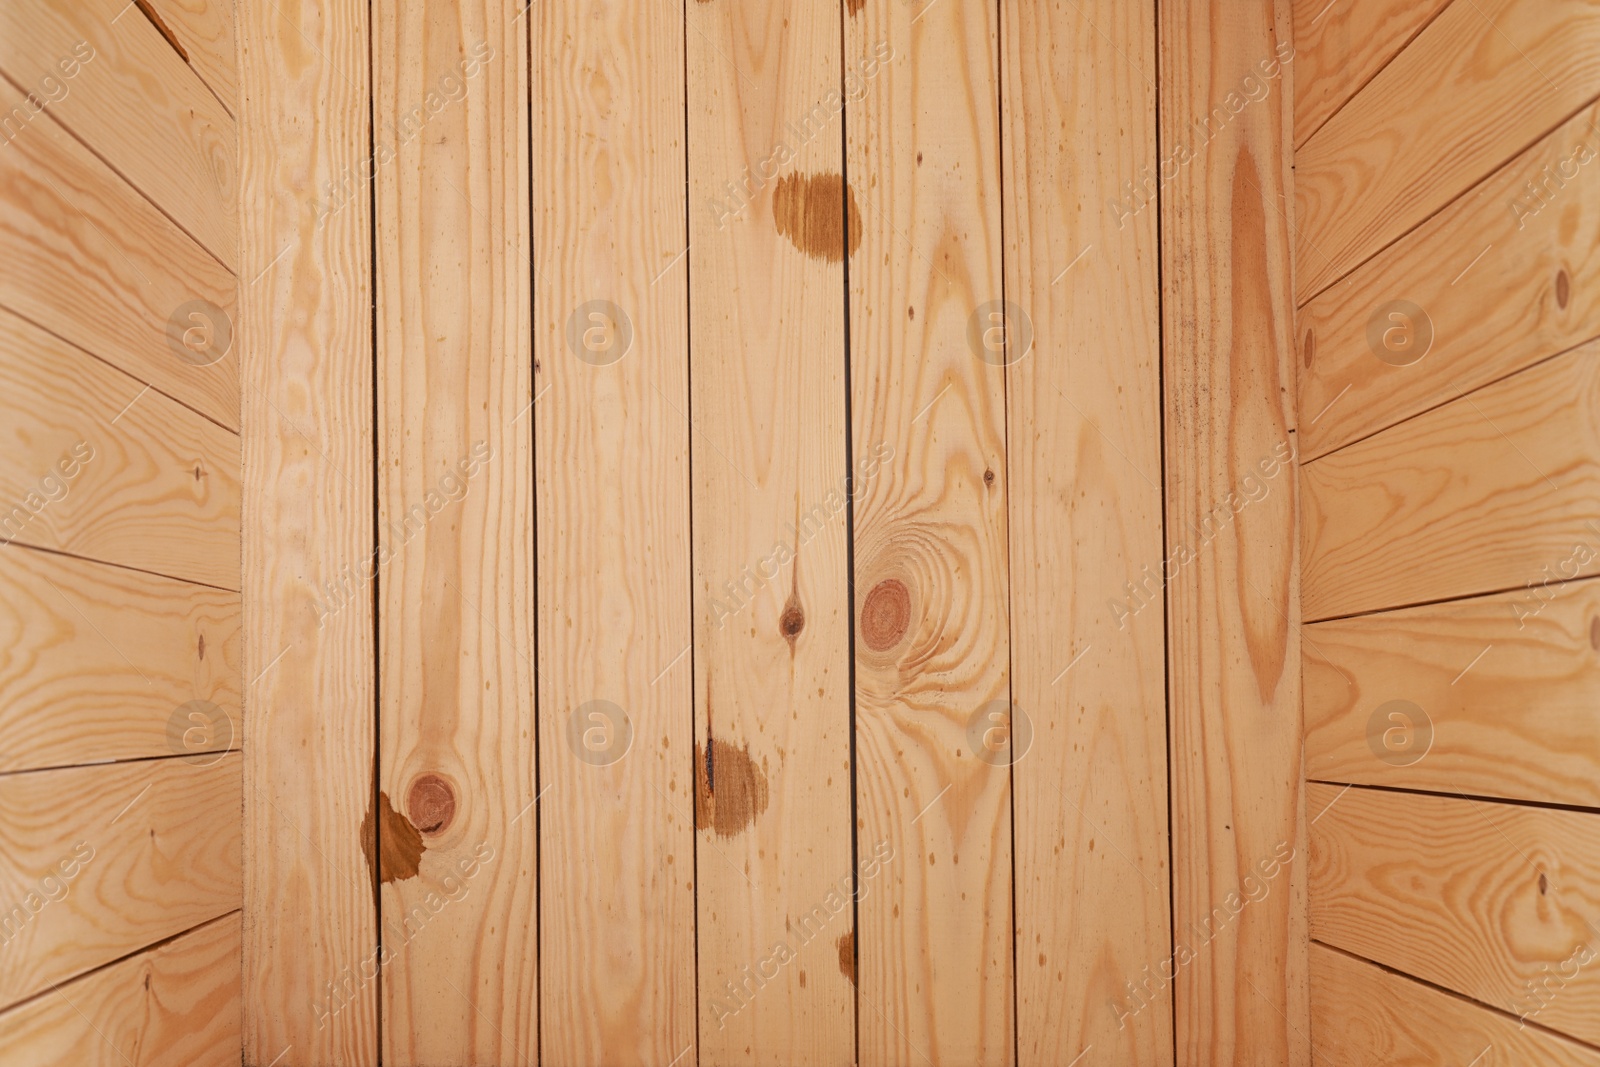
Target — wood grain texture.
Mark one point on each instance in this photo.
(772, 604)
(1497, 490)
(616, 892)
(90, 260)
(455, 519)
(932, 641)
(102, 861)
(136, 103)
(1232, 593)
(305, 337)
(95, 463)
(1363, 1014)
(1496, 902)
(176, 1005)
(96, 661)
(1084, 416)
(1341, 44)
(204, 30)
(1506, 684)
(1485, 80)
(1506, 276)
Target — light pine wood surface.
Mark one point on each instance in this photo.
(1493, 901)
(176, 1005)
(91, 261)
(1499, 694)
(120, 472)
(102, 861)
(455, 529)
(1364, 1014)
(771, 583)
(203, 31)
(1494, 491)
(616, 829)
(1084, 416)
(932, 632)
(97, 663)
(1232, 596)
(1483, 81)
(305, 341)
(1502, 278)
(1341, 45)
(135, 103)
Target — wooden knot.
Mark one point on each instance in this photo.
(431, 804)
(886, 615)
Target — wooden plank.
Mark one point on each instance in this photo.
(1485, 80)
(97, 663)
(455, 511)
(772, 609)
(932, 644)
(90, 260)
(1084, 416)
(1497, 902)
(135, 102)
(1341, 44)
(1232, 597)
(1497, 490)
(1363, 1014)
(1499, 280)
(101, 861)
(310, 922)
(176, 1005)
(107, 468)
(616, 837)
(1498, 696)
(203, 29)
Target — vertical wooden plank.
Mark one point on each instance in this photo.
(932, 643)
(1084, 412)
(1232, 592)
(305, 335)
(616, 892)
(767, 212)
(455, 521)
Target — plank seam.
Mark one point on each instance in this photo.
(1520, 1020)
(52, 116)
(1487, 176)
(1518, 802)
(8, 309)
(1458, 598)
(151, 947)
(1451, 399)
(1357, 91)
(120, 566)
